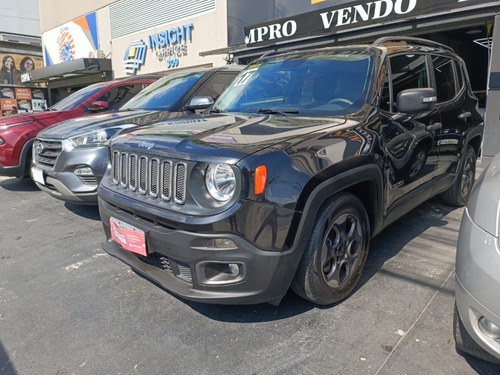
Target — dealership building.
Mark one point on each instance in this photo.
(95, 40)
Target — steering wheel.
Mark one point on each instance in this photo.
(341, 101)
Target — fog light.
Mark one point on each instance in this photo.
(219, 273)
(222, 244)
(85, 171)
(489, 328)
(1, 141)
(234, 268)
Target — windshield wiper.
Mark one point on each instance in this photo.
(284, 112)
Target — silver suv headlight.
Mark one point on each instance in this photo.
(96, 137)
(220, 181)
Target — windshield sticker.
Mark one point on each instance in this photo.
(244, 78)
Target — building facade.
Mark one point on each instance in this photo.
(97, 40)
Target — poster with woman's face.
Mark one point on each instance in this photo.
(15, 65)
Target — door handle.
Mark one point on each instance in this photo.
(464, 115)
(435, 126)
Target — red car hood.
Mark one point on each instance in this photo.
(27, 117)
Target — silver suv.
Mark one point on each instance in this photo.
(71, 157)
(477, 311)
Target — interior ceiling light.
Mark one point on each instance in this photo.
(474, 32)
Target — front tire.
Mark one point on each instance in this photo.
(336, 253)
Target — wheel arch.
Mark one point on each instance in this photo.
(365, 182)
(475, 142)
(26, 155)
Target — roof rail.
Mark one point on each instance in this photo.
(272, 53)
(141, 77)
(395, 39)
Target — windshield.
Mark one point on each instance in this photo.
(315, 84)
(166, 94)
(75, 99)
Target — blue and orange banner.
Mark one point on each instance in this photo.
(73, 40)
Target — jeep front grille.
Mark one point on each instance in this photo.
(150, 176)
(46, 152)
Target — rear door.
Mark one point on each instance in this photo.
(450, 89)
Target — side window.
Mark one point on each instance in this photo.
(446, 87)
(215, 85)
(460, 77)
(445, 78)
(385, 99)
(119, 95)
(408, 72)
(124, 94)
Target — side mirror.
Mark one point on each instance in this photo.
(416, 100)
(99, 105)
(199, 102)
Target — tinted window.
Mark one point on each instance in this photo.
(165, 94)
(119, 95)
(315, 84)
(385, 99)
(405, 72)
(75, 100)
(445, 78)
(216, 85)
(460, 78)
(408, 72)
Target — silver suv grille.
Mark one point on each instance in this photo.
(151, 176)
(46, 152)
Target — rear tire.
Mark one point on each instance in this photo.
(336, 252)
(465, 344)
(458, 193)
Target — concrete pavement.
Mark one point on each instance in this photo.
(66, 307)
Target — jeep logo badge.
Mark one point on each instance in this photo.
(148, 145)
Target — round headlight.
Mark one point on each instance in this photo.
(220, 181)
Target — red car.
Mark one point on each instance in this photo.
(18, 132)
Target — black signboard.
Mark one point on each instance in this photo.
(349, 15)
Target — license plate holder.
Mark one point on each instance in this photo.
(37, 175)
(128, 236)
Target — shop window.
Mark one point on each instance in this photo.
(445, 78)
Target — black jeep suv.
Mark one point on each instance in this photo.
(305, 157)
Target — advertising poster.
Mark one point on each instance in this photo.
(73, 40)
(22, 99)
(15, 65)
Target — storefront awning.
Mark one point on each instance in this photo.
(71, 69)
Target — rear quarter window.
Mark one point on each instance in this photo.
(445, 76)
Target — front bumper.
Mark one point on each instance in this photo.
(478, 281)
(62, 183)
(178, 261)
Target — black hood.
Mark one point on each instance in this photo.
(229, 136)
